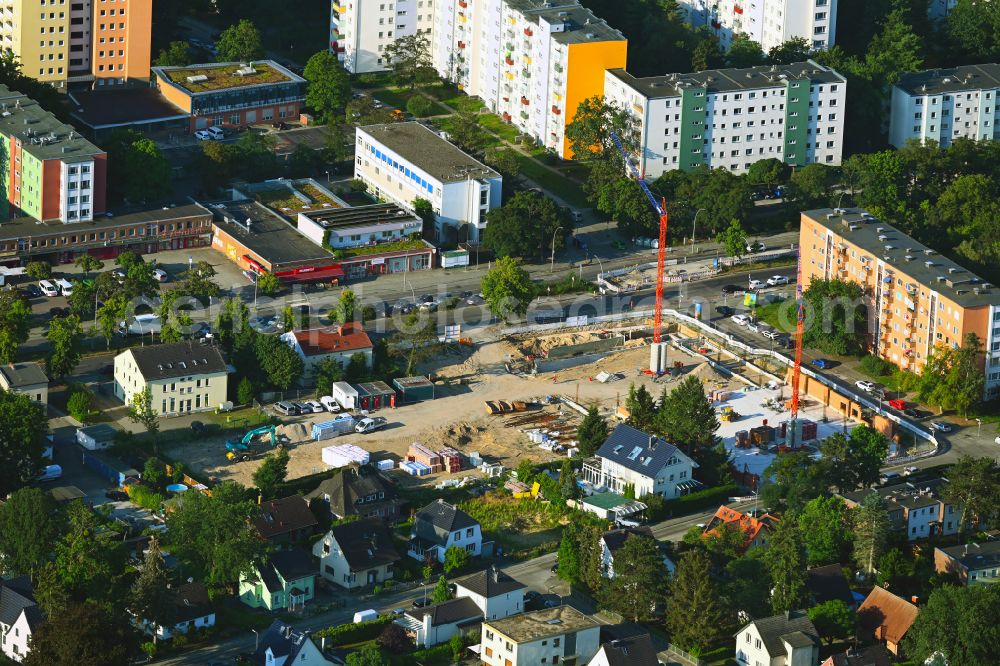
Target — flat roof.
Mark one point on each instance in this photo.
(269, 235)
(580, 24)
(118, 107)
(351, 216)
(412, 382)
(908, 256)
(728, 80)
(23, 374)
(951, 79)
(42, 134)
(215, 76)
(536, 625)
(425, 149)
(25, 227)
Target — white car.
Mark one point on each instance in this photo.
(776, 280)
(755, 246)
(907, 471)
(330, 403)
(203, 135)
(865, 385)
(316, 405)
(941, 426)
(753, 327)
(160, 275)
(997, 440)
(740, 319)
(770, 334)
(48, 288)
(756, 284)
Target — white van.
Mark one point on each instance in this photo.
(50, 473)
(216, 133)
(65, 286)
(48, 288)
(365, 615)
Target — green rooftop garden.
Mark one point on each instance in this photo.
(220, 78)
(284, 202)
(395, 246)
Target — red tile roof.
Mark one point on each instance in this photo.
(887, 616)
(751, 526)
(346, 338)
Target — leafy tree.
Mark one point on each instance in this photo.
(177, 54)
(369, 655)
(88, 558)
(733, 239)
(785, 559)
(329, 85)
(110, 315)
(22, 426)
(871, 530)
(748, 588)
(796, 49)
(139, 171)
(197, 281)
(824, 526)
(15, 324)
(82, 634)
(38, 270)
(833, 619)
(707, 54)
(812, 184)
(150, 598)
(410, 60)
(696, 616)
(744, 52)
(244, 391)
(29, 527)
(272, 472)
(466, 130)
(394, 639)
(568, 556)
(240, 43)
(80, 403)
(141, 411)
(455, 558)
(213, 537)
(88, 263)
(952, 377)
(64, 337)
(346, 306)
(416, 339)
(424, 209)
(590, 130)
(854, 461)
(639, 580)
(419, 106)
(507, 289)
(526, 225)
(328, 371)
(567, 481)
(591, 433)
(974, 486)
(281, 365)
(687, 417)
(154, 472)
(441, 592)
(797, 478)
(959, 622)
(895, 571)
(839, 320)
(973, 29)
(727, 541)
(504, 160)
(457, 645)
(770, 172)
(268, 283)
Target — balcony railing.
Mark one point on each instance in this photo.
(556, 110)
(509, 60)
(557, 67)
(528, 32)
(525, 73)
(525, 101)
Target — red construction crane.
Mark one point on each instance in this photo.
(797, 368)
(661, 209)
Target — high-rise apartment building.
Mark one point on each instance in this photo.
(939, 9)
(768, 22)
(944, 104)
(361, 29)
(49, 171)
(104, 41)
(916, 299)
(730, 118)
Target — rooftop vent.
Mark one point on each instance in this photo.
(928, 264)
(197, 78)
(908, 257)
(246, 70)
(883, 237)
(928, 251)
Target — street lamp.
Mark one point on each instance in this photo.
(979, 426)
(256, 640)
(694, 226)
(841, 198)
(552, 259)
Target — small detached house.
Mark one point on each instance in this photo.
(789, 639)
(359, 491)
(357, 554)
(886, 618)
(433, 625)
(282, 645)
(650, 465)
(439, 526)
(286, 520)
(285, 581)
(191, 610)
(19, 616)
(613, 540)
(756, 530)
(339, 343)
(828, 583)
(495, 593)
(27, 378)
(632, 651)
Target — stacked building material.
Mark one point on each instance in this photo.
(385, 464)
(451, 459)
(344, 455)
(329, 429)
(415, 468)
(421, 454)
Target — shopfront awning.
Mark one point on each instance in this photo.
(314, 275)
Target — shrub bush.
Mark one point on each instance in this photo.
(419, 105)
(145, 497)
(873, 366)
(346, 634)
(702, 499)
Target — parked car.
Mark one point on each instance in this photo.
(203, 135)
(286, 408)
(32, 290)
(725, 311)
(941, 426)
(755, 246)
(889, 477)
(316, 405)
(160, 275)
(116, 495)
(330, 404)
(303, 407)
(370, 424)
(740, 319)
(280, 125)
(865, 385)
(756, 284)
(198, 427)
(821, 363)
(419, 603)
(732, 290)
(48, 288)
(898, 404)
(777, 280)
(753, 327)
(65, 287)
(907, 471)
(912, 413)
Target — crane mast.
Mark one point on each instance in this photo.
(793, 433)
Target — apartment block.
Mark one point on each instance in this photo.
(182, 377)
(730, 118)
(973, 563)
(916, 299)
(915, 509)
(768, 22)
(532, 62)
(104, 41)
(560, 635)
(232, 94)
(939, 9)
(361, 29)
(48, 170)
(944, 104)
(402, 162)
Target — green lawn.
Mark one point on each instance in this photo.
(566, 189)
(495, 124)
(395, 97)
(462, 102)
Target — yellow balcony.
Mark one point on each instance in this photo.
(340, 8)
(527, 60)
(510, 77)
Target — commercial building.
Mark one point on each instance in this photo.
(916, 299)
(142, 232)
(26, 377)
(916, 509)
(945, 104)
(361, 29)
(106, 42)
(370, 240)
(232, 94)
(730, 118)
(182, 377)
(770, 23)
(531, 61)
(551, 636)
(48, 170)
(973, 563)
(402, 162)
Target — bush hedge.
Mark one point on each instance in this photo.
(348, 634)
(701, 499)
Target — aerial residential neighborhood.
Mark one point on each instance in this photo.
(499, 332)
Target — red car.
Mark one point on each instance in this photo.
(897, 404)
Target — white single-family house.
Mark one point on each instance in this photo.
(357, 554)
(439, 526)
(497, 594)
(650, 465)
(789, 639)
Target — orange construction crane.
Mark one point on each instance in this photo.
(797, 368)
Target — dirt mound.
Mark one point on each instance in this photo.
(295, 432)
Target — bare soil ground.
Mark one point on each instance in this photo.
(457, 417)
